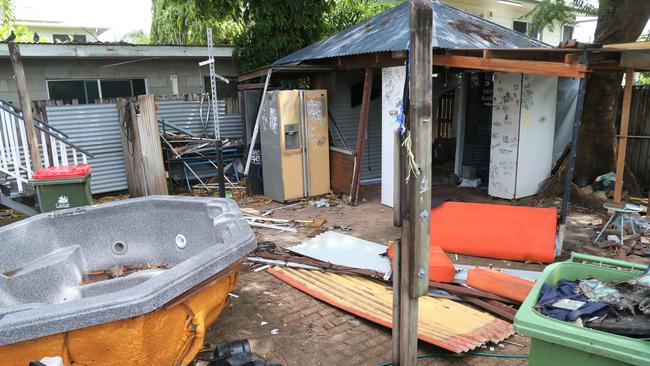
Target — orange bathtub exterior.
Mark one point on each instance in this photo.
(171, 335)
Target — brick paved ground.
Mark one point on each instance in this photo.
(311, 332)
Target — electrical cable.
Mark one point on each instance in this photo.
(480, 354)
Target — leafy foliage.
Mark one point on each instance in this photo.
(278, 27)
(549, 13)
(9, 23)
(261, 30)
(185, 22)
(346, 13)
(138, 36)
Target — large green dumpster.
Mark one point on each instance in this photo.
(554, 342)
(62, 187)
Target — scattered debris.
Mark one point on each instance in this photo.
(321, 203)
(499, 283)
(114, 272)
(345, 250)
(470, 28)
(275, 331)
(439, 320)
(236, 353)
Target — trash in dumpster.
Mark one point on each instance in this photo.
(624, 295)
(620, 307)
(552, 294)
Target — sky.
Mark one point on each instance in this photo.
(121, 16)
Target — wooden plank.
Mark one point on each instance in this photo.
(629, 45)
(635, 60)
(397, 217)
(622, 141)
(250, 86)
(364, 115)
(152, 156)
(571, 58)
(415, 162)
(507, 65)
(26, 106)
(374, 60)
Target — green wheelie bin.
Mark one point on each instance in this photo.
(62, 187)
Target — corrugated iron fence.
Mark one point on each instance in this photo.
(96, 128)
(638, 143)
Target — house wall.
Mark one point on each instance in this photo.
(504, 15)
(347, 118)
(156, 72)
(46, 34)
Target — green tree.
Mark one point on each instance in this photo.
(138, 36)
(551, 13)
(278, 27)
(9, 24)
(619, 21)
(184, 22)
(346, 13)
(261, 31)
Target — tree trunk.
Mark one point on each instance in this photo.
(620, 21)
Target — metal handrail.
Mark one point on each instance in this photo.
(47, 130)
(65, 141)
(18, 113)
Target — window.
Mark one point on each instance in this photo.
(356, 91)
(567, 32)
(87, 91)
(223, 90)
(65, 38)
(521, 27)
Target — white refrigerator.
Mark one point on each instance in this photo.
(523, 128)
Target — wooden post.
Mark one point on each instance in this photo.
(364, 115)
(25, 105)
(397, 217)
(415, 161)
(152, 156)
(622, 141)
(126, 114)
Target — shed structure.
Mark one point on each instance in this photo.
(466, 50)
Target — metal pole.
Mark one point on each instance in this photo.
(222, 183)
(577, 121)
(256, 130)
(213, 87)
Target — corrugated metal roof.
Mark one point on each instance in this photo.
(388, 31)
(441, 322)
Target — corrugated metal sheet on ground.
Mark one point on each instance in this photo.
(193, 116)
(389, 31)
(345, 250)
(96, 129)
(441, 322)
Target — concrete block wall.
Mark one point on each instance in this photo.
(157, 73)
